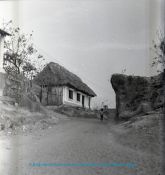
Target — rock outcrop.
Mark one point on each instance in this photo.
(135, 94)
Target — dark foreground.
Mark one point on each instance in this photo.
(73, 141)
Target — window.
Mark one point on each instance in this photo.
(78, 97)
(70, 94)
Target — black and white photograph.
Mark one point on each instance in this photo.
(82, 87)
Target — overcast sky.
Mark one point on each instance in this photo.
(91, 38)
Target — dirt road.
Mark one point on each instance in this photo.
(72, 141)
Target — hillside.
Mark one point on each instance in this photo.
(17, 120)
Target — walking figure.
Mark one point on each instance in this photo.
(101, 114)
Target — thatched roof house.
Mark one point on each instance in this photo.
(54, 76)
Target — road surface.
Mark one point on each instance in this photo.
(72, 141)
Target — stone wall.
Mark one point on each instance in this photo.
(135, 94)
(13, 86)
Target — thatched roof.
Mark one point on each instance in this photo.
(3, 33)
(55, 75)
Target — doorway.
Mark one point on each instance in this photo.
(83, 101)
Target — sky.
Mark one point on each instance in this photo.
(92, 38)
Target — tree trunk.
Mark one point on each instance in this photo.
(47, 95)
(41, 95)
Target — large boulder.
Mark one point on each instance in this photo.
(135, 94)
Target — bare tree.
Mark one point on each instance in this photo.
(20, 58)
(20, 53)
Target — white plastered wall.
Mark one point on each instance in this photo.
(74, 101)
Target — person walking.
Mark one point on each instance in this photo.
(101, 114)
